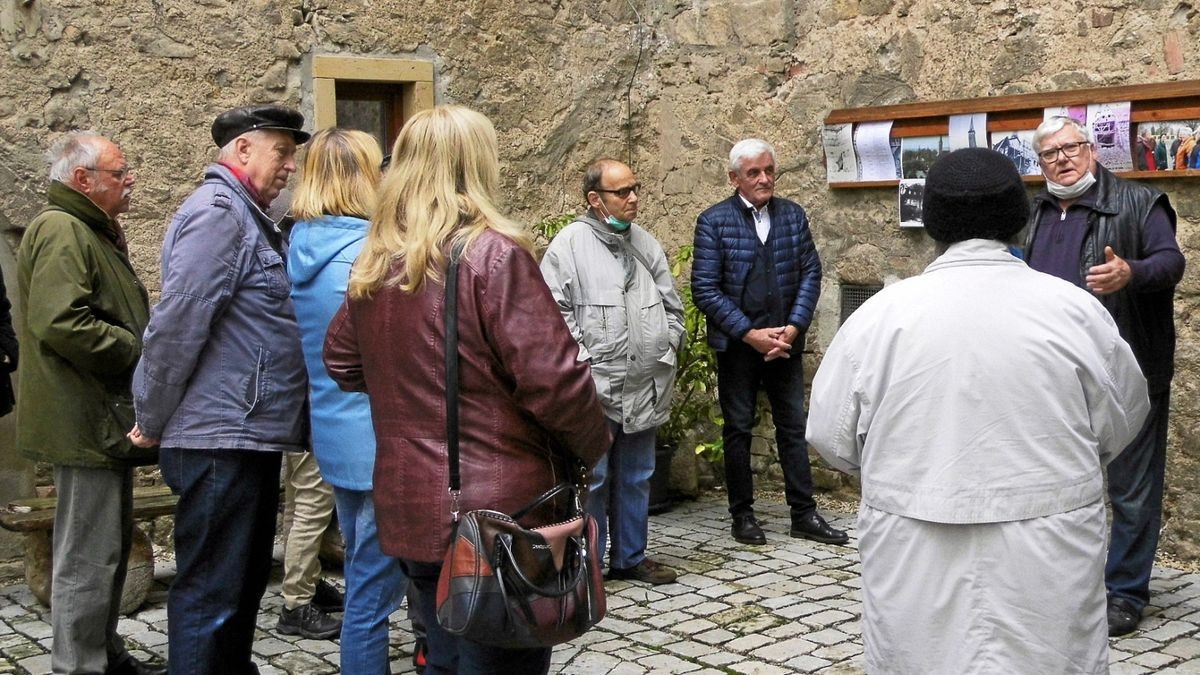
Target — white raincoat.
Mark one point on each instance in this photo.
(979, 403)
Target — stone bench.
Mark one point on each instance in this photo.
(34, 517)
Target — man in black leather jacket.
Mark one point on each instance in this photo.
(1116, 238)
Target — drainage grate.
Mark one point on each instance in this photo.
(854, 295)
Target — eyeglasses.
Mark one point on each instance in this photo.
(119, 174)
(1067, 149)
(623, 193)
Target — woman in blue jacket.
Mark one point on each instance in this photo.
(334, 198)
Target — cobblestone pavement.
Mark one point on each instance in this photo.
(791, 606)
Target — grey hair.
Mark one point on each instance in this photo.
(227, 151)
(1052, 126)
(78, 148)
(748, 148)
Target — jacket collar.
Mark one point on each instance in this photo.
(603, 232)
(66, 198)
(974, 252)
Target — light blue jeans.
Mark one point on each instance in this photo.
(375, 584)
(619, 496)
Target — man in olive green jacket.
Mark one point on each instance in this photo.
(83, 313)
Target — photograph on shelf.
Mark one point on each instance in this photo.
(968, 131)
(838, 141)
(1079, 113)
(1017, 146)
(1109, 123)
(912, 197)
(1174, 146)
(918, 153)
(873, 147)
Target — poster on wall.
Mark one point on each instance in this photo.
(912, 198)
(1079, 113)
(1017, 146)
(873, 147)
(1109, 123)
(918, 153)
(968, 131)
(838, 141)
(1174, 145)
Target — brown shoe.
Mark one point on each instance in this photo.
(646, 571)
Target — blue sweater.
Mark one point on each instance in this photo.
(725, 246)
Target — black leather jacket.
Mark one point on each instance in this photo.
(1145, 316)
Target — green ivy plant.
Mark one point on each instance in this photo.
(694, 409)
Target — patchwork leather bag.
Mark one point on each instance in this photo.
(504, 584)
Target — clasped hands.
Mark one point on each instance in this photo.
(773, 343)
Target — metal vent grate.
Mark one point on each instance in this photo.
(853, 296)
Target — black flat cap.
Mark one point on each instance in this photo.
(233, 123)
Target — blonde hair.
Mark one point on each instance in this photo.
(440, 190)
(338, 176)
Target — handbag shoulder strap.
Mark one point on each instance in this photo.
(451, 317)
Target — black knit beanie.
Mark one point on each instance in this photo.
(974, 193)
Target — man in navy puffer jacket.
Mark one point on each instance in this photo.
(757, 277)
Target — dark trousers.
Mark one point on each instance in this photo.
(1135, 487)
(741, 373)
(224, 532)
(449, 654)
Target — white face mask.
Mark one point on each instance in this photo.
(1071, 191)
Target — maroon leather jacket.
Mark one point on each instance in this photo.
(527, 406)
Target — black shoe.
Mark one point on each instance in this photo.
(131, 666)
(1122, 617)
(308, 621)
(814, 527)
(745, 530)
(328, 598)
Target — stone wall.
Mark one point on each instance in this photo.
(668, 85)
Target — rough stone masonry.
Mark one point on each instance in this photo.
(667, 85)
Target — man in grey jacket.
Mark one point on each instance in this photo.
(222, 383)
(612, 283)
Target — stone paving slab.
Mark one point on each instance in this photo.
(791, 606)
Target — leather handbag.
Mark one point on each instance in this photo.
(504, 584)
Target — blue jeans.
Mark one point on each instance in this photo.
(619, 496)
(741, 373)
(374, 586)
(224, 532)
(449, 654)
(1135, 487)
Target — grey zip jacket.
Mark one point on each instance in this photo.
(221, 366)
(624, 313)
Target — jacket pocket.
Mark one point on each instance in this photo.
(118, 420)
(256, 380)
(601, 319)
(656, 332)
(275, 273)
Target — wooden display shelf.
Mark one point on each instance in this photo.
(1160, 102)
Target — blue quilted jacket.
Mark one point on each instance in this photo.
(725, 246)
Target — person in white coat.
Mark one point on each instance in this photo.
(979, 404)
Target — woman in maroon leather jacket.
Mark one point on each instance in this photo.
(528, 408)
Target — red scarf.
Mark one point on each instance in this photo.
(244, 179)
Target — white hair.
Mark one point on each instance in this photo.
(1053, 124)
(748, 148)
(78, 148)
(229, 149)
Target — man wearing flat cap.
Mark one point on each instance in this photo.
(979, 403)
(221, 386)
